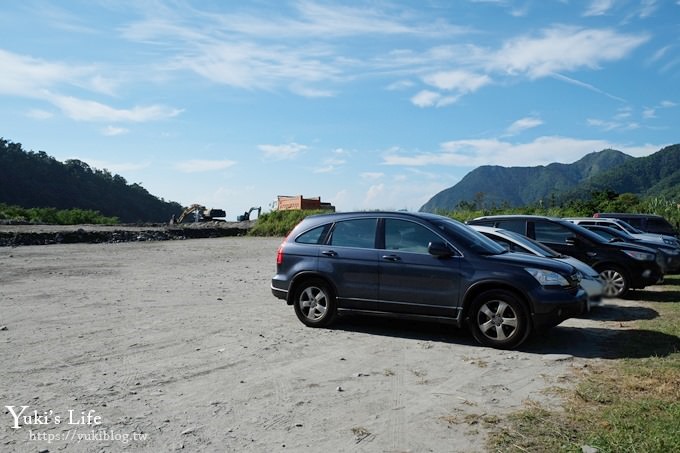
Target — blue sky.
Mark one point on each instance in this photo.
(370, 105)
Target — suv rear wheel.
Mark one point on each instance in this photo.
(314, 303)
(499, 319)
(615, 281)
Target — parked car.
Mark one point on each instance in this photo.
(421, 266)
(649, 223)
(622, 225)
(671, 255)
(622, 266)
(515, 242)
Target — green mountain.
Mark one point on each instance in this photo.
(654, 175)
(36, 180)
(520, 186)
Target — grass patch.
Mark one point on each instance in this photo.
(631, 404)
(280, 223)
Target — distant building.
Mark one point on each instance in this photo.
(288, 203)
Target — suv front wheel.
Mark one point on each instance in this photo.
(499, 319)
(314, 303)
(615, 281)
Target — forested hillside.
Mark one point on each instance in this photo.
(656, 175)
(521, 186)
(36, 180)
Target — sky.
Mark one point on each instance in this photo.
(369, 105)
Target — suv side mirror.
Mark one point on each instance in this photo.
(439, 249)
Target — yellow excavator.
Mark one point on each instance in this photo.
(201, 214)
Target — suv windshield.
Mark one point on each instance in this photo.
(628, 227)
(594, 237)
(469, 238)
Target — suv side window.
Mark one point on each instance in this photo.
(516, 225)
(354, 233)
(654, 224)
(408, 236)
(635, 221)
(551, 232)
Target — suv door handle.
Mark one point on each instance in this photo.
(391, 258)
(329, 253)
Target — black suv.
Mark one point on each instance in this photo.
(421, 266)
(669, 254)
(622, 266)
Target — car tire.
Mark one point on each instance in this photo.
(499, 319)
(615, 281)
(314, 303)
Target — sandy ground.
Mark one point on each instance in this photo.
(179, 345)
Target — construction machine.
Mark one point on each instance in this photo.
(201, 214)
(246, 215)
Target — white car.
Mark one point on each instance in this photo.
(591, 281)
(622, 225)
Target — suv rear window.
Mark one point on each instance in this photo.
(313, 236)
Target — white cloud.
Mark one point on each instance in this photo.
(85, 110)
(39, 114)
(668, 104)
(400, 85)
(426, 98)
(374, 196)
(562, 49)
(523, 124)
(647, 8)
(26, 76)
(112, 131)
(461, 81)
(598, 7)
(310, 92)
(541, 151)
(103, 85)
(659, 54)
(371, 176)
(198, 165)
(38, 79)
(623, 113)
(238, 49)
(604, 125)
(282, 152)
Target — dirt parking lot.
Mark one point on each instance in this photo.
(179, 345)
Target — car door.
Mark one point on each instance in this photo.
(412, 280)
(350, 257)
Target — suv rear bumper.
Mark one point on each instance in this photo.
(279, 289)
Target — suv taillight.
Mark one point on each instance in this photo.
(279, 255)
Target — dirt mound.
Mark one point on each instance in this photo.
(15, 235)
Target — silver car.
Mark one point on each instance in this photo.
(591, 281)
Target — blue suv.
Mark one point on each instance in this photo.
(421, 266)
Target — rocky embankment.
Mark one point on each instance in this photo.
(15, 235)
